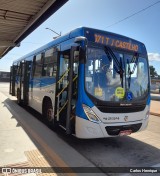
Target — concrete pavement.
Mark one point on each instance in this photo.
(26, 142)
(155, 108)
(155, 104)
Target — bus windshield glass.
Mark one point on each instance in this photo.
(116, 76)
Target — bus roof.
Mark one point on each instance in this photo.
(94, 35)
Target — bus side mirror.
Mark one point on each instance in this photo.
(82, 41)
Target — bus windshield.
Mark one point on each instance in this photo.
(121, 78)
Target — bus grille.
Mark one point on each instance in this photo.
(114, 130)
(121, 109)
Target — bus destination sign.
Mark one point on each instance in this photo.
(118, 43)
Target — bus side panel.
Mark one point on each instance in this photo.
(40, 88)
(35, 94)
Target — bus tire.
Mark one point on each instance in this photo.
(49, 115)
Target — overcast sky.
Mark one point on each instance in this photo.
(139, 20)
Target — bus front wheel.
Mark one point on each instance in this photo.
(49, 115)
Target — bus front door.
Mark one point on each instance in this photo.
(66, 89)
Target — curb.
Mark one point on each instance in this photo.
(156, 114)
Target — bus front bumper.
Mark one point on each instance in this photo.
(86, 129)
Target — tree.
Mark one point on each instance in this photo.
(153, 72)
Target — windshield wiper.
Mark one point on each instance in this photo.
(135, 61)
(117, 65)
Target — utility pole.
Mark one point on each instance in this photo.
(55, 33)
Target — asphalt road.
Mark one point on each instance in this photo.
(136, 150)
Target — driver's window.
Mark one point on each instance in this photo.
(141, 73)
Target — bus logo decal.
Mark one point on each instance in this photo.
(129, 96)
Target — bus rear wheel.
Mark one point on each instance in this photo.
(49, 115)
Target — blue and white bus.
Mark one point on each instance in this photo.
(91, 82)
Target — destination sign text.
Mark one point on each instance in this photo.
(115, 42)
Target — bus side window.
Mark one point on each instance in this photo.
(50, 63)
(33, 67)
(75, 64)
(18, 69)
(38, 66)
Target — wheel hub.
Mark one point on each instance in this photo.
(50, 114)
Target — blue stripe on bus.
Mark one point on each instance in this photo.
(42, 82)
(149, 100)
(82, 96)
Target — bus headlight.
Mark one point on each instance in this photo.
(90, 114)
(147, 115)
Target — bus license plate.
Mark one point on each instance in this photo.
(125, 132)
